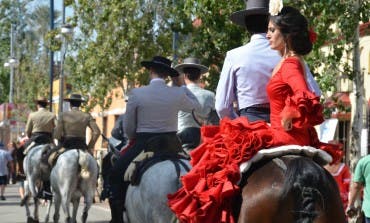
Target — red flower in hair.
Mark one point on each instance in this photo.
(312, 35)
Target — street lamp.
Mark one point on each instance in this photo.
(66, 31)
(11, 63)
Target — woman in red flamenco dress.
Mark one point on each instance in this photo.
(211, 185)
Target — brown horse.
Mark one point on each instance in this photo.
(290, 189)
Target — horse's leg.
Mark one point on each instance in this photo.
(75, 203)
(48, 210)
(88, 202)
(56, 207)
(65, 200)
(36, 210)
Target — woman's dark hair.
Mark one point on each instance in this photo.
(294, 27)
(192, 73)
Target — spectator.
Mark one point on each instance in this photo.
(360, 181)
(6, 160)
(342, 175)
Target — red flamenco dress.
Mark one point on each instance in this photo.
(210, 186)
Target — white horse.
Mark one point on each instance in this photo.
(74, 175)
(147, 202)
(36, 173)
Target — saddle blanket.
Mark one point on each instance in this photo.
(318, 155)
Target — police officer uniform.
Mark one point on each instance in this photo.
(71, 127)
(40, 124)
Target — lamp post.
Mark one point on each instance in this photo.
(12, 63)
(66, 31)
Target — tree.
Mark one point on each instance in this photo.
(30, 49)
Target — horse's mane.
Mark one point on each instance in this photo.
(308, 183)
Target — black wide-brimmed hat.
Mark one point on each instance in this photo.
(75, 97)
(160, 62)
(42, 100)
(253, 7)
(191, 62)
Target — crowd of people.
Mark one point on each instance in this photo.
(266, 94)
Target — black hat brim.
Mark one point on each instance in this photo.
(72, 99)
(180, 68)
(148, 64)
(239, 17)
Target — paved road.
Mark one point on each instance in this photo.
(11, 212)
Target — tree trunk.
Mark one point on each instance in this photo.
(357, 105)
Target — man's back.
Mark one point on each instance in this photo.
(246, 71)
(75, 122)
(40, 121)
(5, 157)
(206, 100)
(155, 108)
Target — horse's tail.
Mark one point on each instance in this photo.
(310, 185)
(83, 161)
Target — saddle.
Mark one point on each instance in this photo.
(145, 160)
(51, 157)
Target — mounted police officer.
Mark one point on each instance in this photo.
(40, 124)
(71, 126)
(151, 114)
(39, 129)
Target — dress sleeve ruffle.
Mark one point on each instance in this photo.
(304, 108)
(209, 188)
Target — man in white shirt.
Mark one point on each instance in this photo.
(247, 69)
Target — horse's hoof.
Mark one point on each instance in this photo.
(23, 202)
(31, 220)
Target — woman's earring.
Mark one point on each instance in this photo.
(285, 51)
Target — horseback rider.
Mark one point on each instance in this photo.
(71, 126)
(40, 124)
(151, 114)
(39, 130)
(189, 123)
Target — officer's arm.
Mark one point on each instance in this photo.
(95, 133)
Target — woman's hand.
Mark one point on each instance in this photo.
(287, 124)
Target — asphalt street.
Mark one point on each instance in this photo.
(12, 212)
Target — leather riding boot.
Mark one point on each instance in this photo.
(45, 192)
(116, 207)
(117, 201)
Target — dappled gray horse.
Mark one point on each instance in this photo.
(147, 202)
(36, 173)
(74, 175)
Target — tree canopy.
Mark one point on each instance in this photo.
(112, 37)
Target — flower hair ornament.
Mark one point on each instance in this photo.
(275, 7)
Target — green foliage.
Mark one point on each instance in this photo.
(114, 36)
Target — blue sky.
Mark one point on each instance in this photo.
(58, 4)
